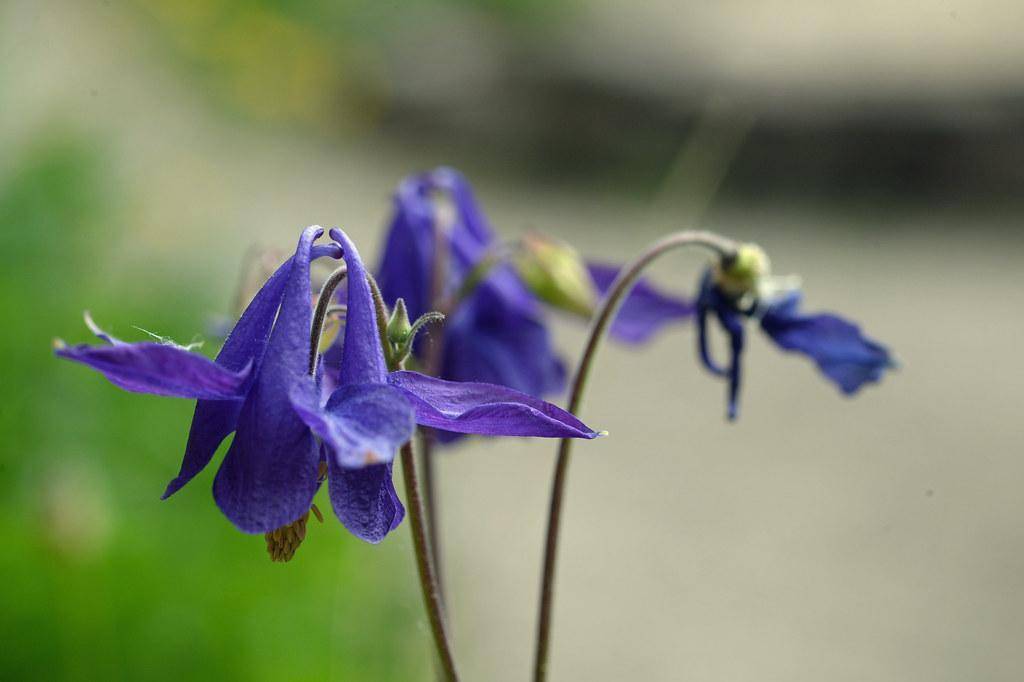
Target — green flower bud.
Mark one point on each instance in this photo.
(556, 274)
(744, 273)
(399, 334)
(399, 328)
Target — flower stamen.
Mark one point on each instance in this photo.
(282, 543)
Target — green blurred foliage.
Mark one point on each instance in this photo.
(102, 580)
(264, 59)
(321, 64)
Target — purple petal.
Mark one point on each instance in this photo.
(711, 301)
(364, 500)
(471, 226)
(644, 311)
(488, 339)
(161, 369)
(362, 424)
(485, 409)
(214, 420)
(406, 268)
(269, 475)
(841, 351)
(737, 335)
(363, 359)
(471, 239)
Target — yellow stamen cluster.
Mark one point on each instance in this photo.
(282, 543)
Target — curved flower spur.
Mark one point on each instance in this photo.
(260, 387)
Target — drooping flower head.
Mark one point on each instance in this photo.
(742, 288)
(260, 387)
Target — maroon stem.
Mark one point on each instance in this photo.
(623, 283)
(425, 568)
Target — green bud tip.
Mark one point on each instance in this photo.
(556, 274)
(742, 274)
(399, 328)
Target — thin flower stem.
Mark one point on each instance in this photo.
(428, 580)
(609, 306)
(432, 367)
(427, 439)
(428, 455)
(414, 504)
(323, 307)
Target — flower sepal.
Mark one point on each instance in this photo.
(400, 334)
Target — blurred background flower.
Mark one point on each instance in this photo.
(874, 147)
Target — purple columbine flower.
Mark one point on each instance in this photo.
(496, 331)
(842, 353)
(269, 475)
(260, 387)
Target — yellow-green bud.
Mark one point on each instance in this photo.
(741, 275)
(556, 274)
(399, 326)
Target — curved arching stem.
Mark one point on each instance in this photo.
(433, 361)
(609, 306)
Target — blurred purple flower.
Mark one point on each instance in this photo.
(496, 332)
(645, 311)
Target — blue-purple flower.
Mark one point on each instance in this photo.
(285, 427)
(743, 289)
(496, 330)
(270, 473)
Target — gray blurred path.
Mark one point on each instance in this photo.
(878, 538)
